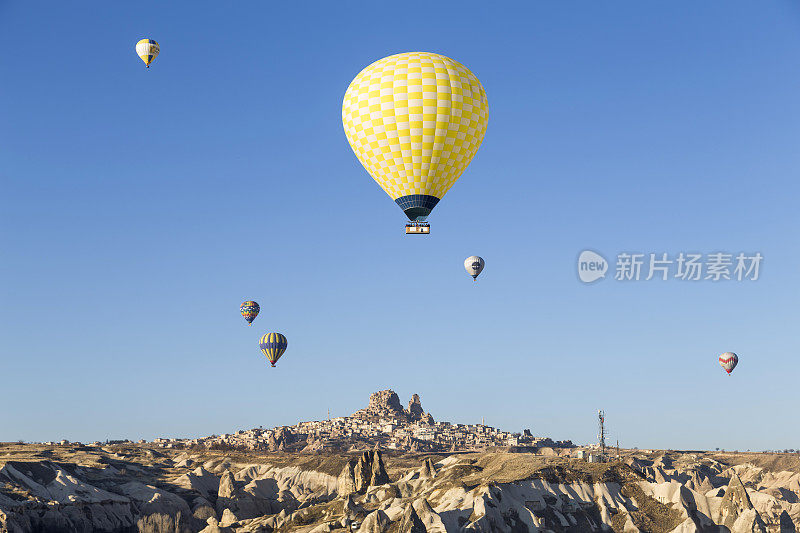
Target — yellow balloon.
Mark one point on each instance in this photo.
(147, 49)
(415, 121)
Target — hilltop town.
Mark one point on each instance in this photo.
(384, 423)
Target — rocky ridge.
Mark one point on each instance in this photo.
(135, 488)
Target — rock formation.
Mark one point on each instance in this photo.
(428, 469)
(375, 522)
(360, 474)
(411, 522)
(382, 404)
(414, 411)
(385, 405)
(736, 509)
(131, 488)
(280, 440)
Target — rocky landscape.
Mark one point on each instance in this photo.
(141, 488)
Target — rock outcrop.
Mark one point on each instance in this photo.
(280, 440)
(200, 480)
(375, 522)
(360, 474)
(382, 404)
(411, 522)
(159, 510)
(428, 469)
(385, 405)
(414, 413)
(736, 510)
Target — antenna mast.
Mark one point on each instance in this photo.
(601, 434)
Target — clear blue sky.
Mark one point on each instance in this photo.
(140, 208)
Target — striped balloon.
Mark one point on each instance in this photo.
(249, 311)
(273, 345)
(147, 49)
(728, 361)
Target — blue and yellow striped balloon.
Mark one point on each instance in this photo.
(273, 345)
(249, 311)
(147, 49)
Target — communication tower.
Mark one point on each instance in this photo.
(601, 432)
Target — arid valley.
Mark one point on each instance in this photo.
(302, 479)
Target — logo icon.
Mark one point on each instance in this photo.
(591, 266)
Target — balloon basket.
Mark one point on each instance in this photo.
(418, 228)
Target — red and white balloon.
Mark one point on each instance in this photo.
(728, 361)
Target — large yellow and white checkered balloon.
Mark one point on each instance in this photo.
(415, 120)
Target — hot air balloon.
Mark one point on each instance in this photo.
(728, 361)
(273, 345)
(249, 311)
(415, 121)
(147, 49)
(474, 266)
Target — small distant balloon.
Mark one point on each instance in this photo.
(728, 361)
(249, 311)
(273, 345)
(147, 49)
(474, 266)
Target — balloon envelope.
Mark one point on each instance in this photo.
(415, 121)
(147, 49)
(249, 310)
(474, 265)
(728, 361)
(273, 345)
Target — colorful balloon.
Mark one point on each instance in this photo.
(147, 49)
(474, 266)
(728, 361)
(273, 345)
(249, 310)
(415, 121)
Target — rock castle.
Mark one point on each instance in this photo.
(383, 424)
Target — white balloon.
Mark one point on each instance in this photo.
(474, 266)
